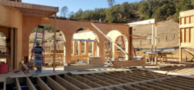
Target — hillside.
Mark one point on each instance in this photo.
(167, 28)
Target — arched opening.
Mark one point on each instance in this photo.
(108, 52)
(49, 45)
(3, 46)
(84, 45)
(120, 40)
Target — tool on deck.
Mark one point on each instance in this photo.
(37, 53)
(58, 52)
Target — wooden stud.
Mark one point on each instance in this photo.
(54, 84)
(76, 82)
(18, 84)
(42, 85)
(29, 84)
(24, 66)
(66, 84)
(54, 45)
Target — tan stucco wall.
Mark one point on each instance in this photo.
(12, 18)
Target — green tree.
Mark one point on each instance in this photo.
(111, 3)
(64, 11)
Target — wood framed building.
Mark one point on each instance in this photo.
(19, 19)
(186, 31)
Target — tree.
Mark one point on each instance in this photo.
(64, 11)
(78, 14)
(111, 3)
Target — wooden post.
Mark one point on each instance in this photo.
(79, 47)
(54, 45)
(156, 44)
(152, 42)
(86, 47)
(180, 54)
(12, 51)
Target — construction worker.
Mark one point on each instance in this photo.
(38, 57)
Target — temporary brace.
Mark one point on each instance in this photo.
(125, 52)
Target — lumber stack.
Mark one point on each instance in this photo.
(79, 57)
(96, 61)
(119, 64)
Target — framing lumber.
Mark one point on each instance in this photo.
(25, 67)
(54, 84)
(12, 51)
(76, 82)
(100, 82)
(66, 84)
(54, 45)
(88, 82)
(29, 84)
(17, 84)
(42, 85)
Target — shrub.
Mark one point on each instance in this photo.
(31, 41)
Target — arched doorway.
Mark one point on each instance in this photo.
(84, 45)
(122, 42)
(115, 36)
(49, 45)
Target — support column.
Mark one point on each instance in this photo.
(152, 43)
(130, 46)
(12, 50)
(54, 45)
(156, 39)
(79, 47)
(180, 54)
(74, 47)
(94, 48)
(86, 47)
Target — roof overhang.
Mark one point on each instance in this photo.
(145, 22)
(31, 9)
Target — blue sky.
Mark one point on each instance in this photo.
(75, 5)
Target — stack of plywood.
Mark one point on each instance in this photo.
(118, 64)
(96, 61)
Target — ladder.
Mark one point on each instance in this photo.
(39, 38)
(60, 59)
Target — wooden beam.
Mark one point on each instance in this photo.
(18, 87)
(76, 82)
(29, 84)
(24, 66)
(54, 84)
(12, 51)
(66, 84)
(54, 45)
(42, 85)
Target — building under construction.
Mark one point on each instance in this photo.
(112, 41)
